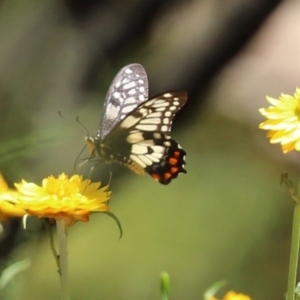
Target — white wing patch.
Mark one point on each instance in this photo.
(139, 149)
(135, 137)
(113, 111)
(147, 127)
(146, 155)
(155, 115)
(129, 122)
(150, 121)
(128, 89)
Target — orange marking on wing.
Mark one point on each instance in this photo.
(176, 153)
(167, 175)
(173, 161)
(155, 176)
(174, 170)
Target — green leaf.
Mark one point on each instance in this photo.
(110, 214)
(12, 270)
(297, 291)
(213, 289)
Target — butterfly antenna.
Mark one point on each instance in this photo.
(77, 120)
(82, 126)
(61, 115)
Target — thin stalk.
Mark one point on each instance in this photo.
(63, 259)
(164, 285)
(52, 246)
(164, 297)
(294, 256)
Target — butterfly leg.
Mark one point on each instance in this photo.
(78, 159)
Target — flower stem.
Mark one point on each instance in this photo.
(294, 250)
(63, 259)
(164, 285)
(52, 246)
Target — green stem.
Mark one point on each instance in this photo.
(164, 285)
(164, 297)
(294, 250)
(51, 238)
(63, 259)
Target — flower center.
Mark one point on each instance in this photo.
(62, 187)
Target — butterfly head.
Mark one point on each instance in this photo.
(98, 149)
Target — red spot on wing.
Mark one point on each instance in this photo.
(156, 176)
(173, 161)
(170, 165)
(177, 153)
(174, 170)
(167, 176)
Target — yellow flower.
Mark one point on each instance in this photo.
(233, 296)
(8, 201)
(71, 199)
(283, 121)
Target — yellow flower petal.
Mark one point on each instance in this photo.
(8, 210)
(71, 199)
(283, 121)
(234, 296)
(3, 184)
(8, 201)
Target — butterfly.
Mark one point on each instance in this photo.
(134, 130)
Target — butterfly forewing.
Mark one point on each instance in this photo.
(156, 114)
(128, 89)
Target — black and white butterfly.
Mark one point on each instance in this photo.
(134, 130)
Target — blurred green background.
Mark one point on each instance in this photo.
(228, 217)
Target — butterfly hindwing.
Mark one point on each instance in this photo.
(128, 89)
(159, 155)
